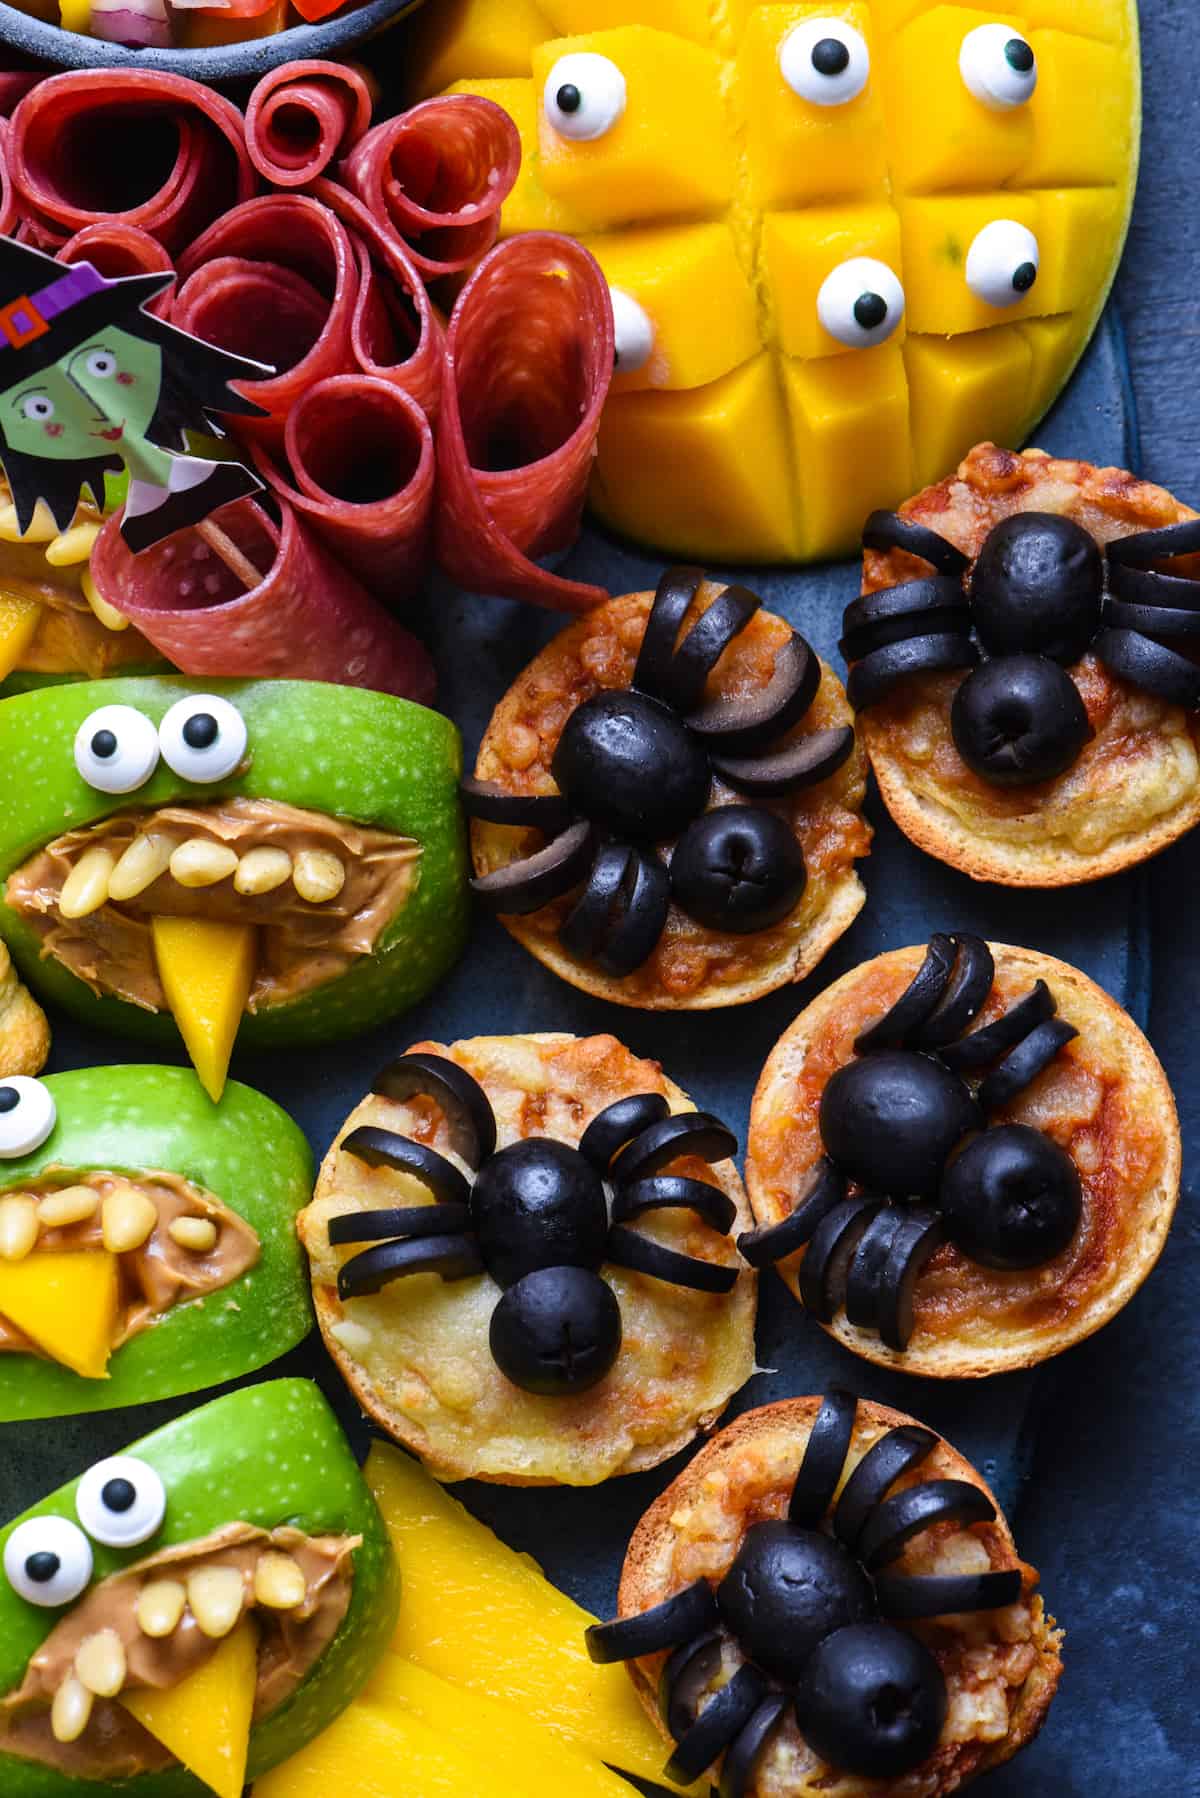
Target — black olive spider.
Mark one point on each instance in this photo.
(810, 1613)
(635, 766)
(1040, 595)
(539, 1217)
(893, 1122)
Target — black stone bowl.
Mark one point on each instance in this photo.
(224, 62)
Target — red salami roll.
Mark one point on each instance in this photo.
(360, 469)
(116, 250)
(151, 149)
(304, 116)
(14, 85)
(439, 175)
(277, 280)
(8, 199)
(395, 332)
(529, 358)
(307, 619)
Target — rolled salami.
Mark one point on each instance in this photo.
(304, 116)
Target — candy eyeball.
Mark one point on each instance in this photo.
(861, 302)
(825, 61)
(633, 334)
(998, 66)
(48, 1561)
(27, 1115)
(116, 749)
(1002, 263)
(203, 737)
(584, 95)
(120, 1501)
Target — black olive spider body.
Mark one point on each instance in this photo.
(910, 1159)
(1040, 595)
(808, 1619)
(539, 1217)
(635, 768)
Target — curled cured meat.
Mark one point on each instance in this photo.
(306, 619)
(529, 358)
(304, 116)
(439, 174)
(14, 85)
(146, 147)
(8, 199)
(277, 280)
(360, 469)
(116, 250)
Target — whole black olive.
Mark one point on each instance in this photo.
(1037, 585)
(788, 1588)
(872, 1701)
(1012, 1199)
(738, 869)
(536, 1204)
(557, 1331)
(628, 763)
(1018, 719)
(890, 1120)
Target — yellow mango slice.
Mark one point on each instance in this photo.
(1105, 19)
(1079, 112)
(1055, 347)
(664, 269)
(19, 619)
(941, 136)
(962, 388)
(528, 207)
(849, 418)
(797, 152)
(481, 1616)
(938, 234)
(800, 249)
(666, 156)
(65, 1302)
(549, 1766)
(204, 1721)
(730, 497)
(484, 37)
(1078, 229)
(206, 968)
(689, 18)
(372, 1753)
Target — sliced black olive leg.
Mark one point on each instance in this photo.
(897, 1520)
(488, 800)
(1144, 548)
(453, 1257)
(971, 1053)
(747, 1748)
(1022, 1065)
(686, 1676)
(1153, 590)
(405, 1220)
(525, 886)
(587, 920)
(913, 609)
(913, 1596)
(824, 1457)
(773, 1242)
(702, 648)
(674, 1192)
(618, 1124)
(884, 669)
(915, 1003)
(683, 1133)
(804, 763)
(642, 1255)
(688, 1613)
(676, 590)
(965, 994)
(723, 1717)
(868, 1266)
(638, 916)
(1157, 670)
(465, 1106)
(889, 530)
(826, 1265)
(916, 1241)
(750, 722)
(903, 1448)
(384, 1148)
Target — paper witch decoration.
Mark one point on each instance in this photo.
(90, 381)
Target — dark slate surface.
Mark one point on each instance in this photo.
(1108, 1433)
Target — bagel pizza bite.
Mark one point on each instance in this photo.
(829, 1600)
(962, 1159)
(186, 1614)
(551, 1294)
(1023, 663)
(666, 803)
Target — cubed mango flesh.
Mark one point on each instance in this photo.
(799, 249)
(937, 235)
(1108, 20)
(941, 136)
(687, 18)
(476, 37)
(1079, 113)
(957, 385)
(19, 620)
(665, 269)
(850, 436)
(65, 1301)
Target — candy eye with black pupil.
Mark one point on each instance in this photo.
(998, 67)
(48, 1561)
(1002, 263)
(203, 738)
(860, 303)
(121, 1502)
(27, 1115)
(825, 61)
(116, 749)
(633, 333)
(584, 96)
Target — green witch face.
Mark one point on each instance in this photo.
(105, 393)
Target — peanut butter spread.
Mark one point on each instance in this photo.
(114, 1746)
(162, 1270)
(598, 653)
(302, 943)
(1086, 1100)
(986, 1658)
(1143, 759)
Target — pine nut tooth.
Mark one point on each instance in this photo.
(18, 1225)
(262, 870)
(159, 1606)
(109, 617)
(279, 1582)
(86, 887)
(201, 863)
(318, 876)
(100, 1663)
(71, 1711)
(215, 1595)
(196, 1233)
(69, 1205)
(127, 1218)
(145, 860)
(72, 546)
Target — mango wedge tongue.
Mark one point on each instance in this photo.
(204, 1721)
(66, 1304)
(18, 622)
(206, 969)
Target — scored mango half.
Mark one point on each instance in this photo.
(187, 1614)
(845, 241)
(266, 862)
(147, 1241)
